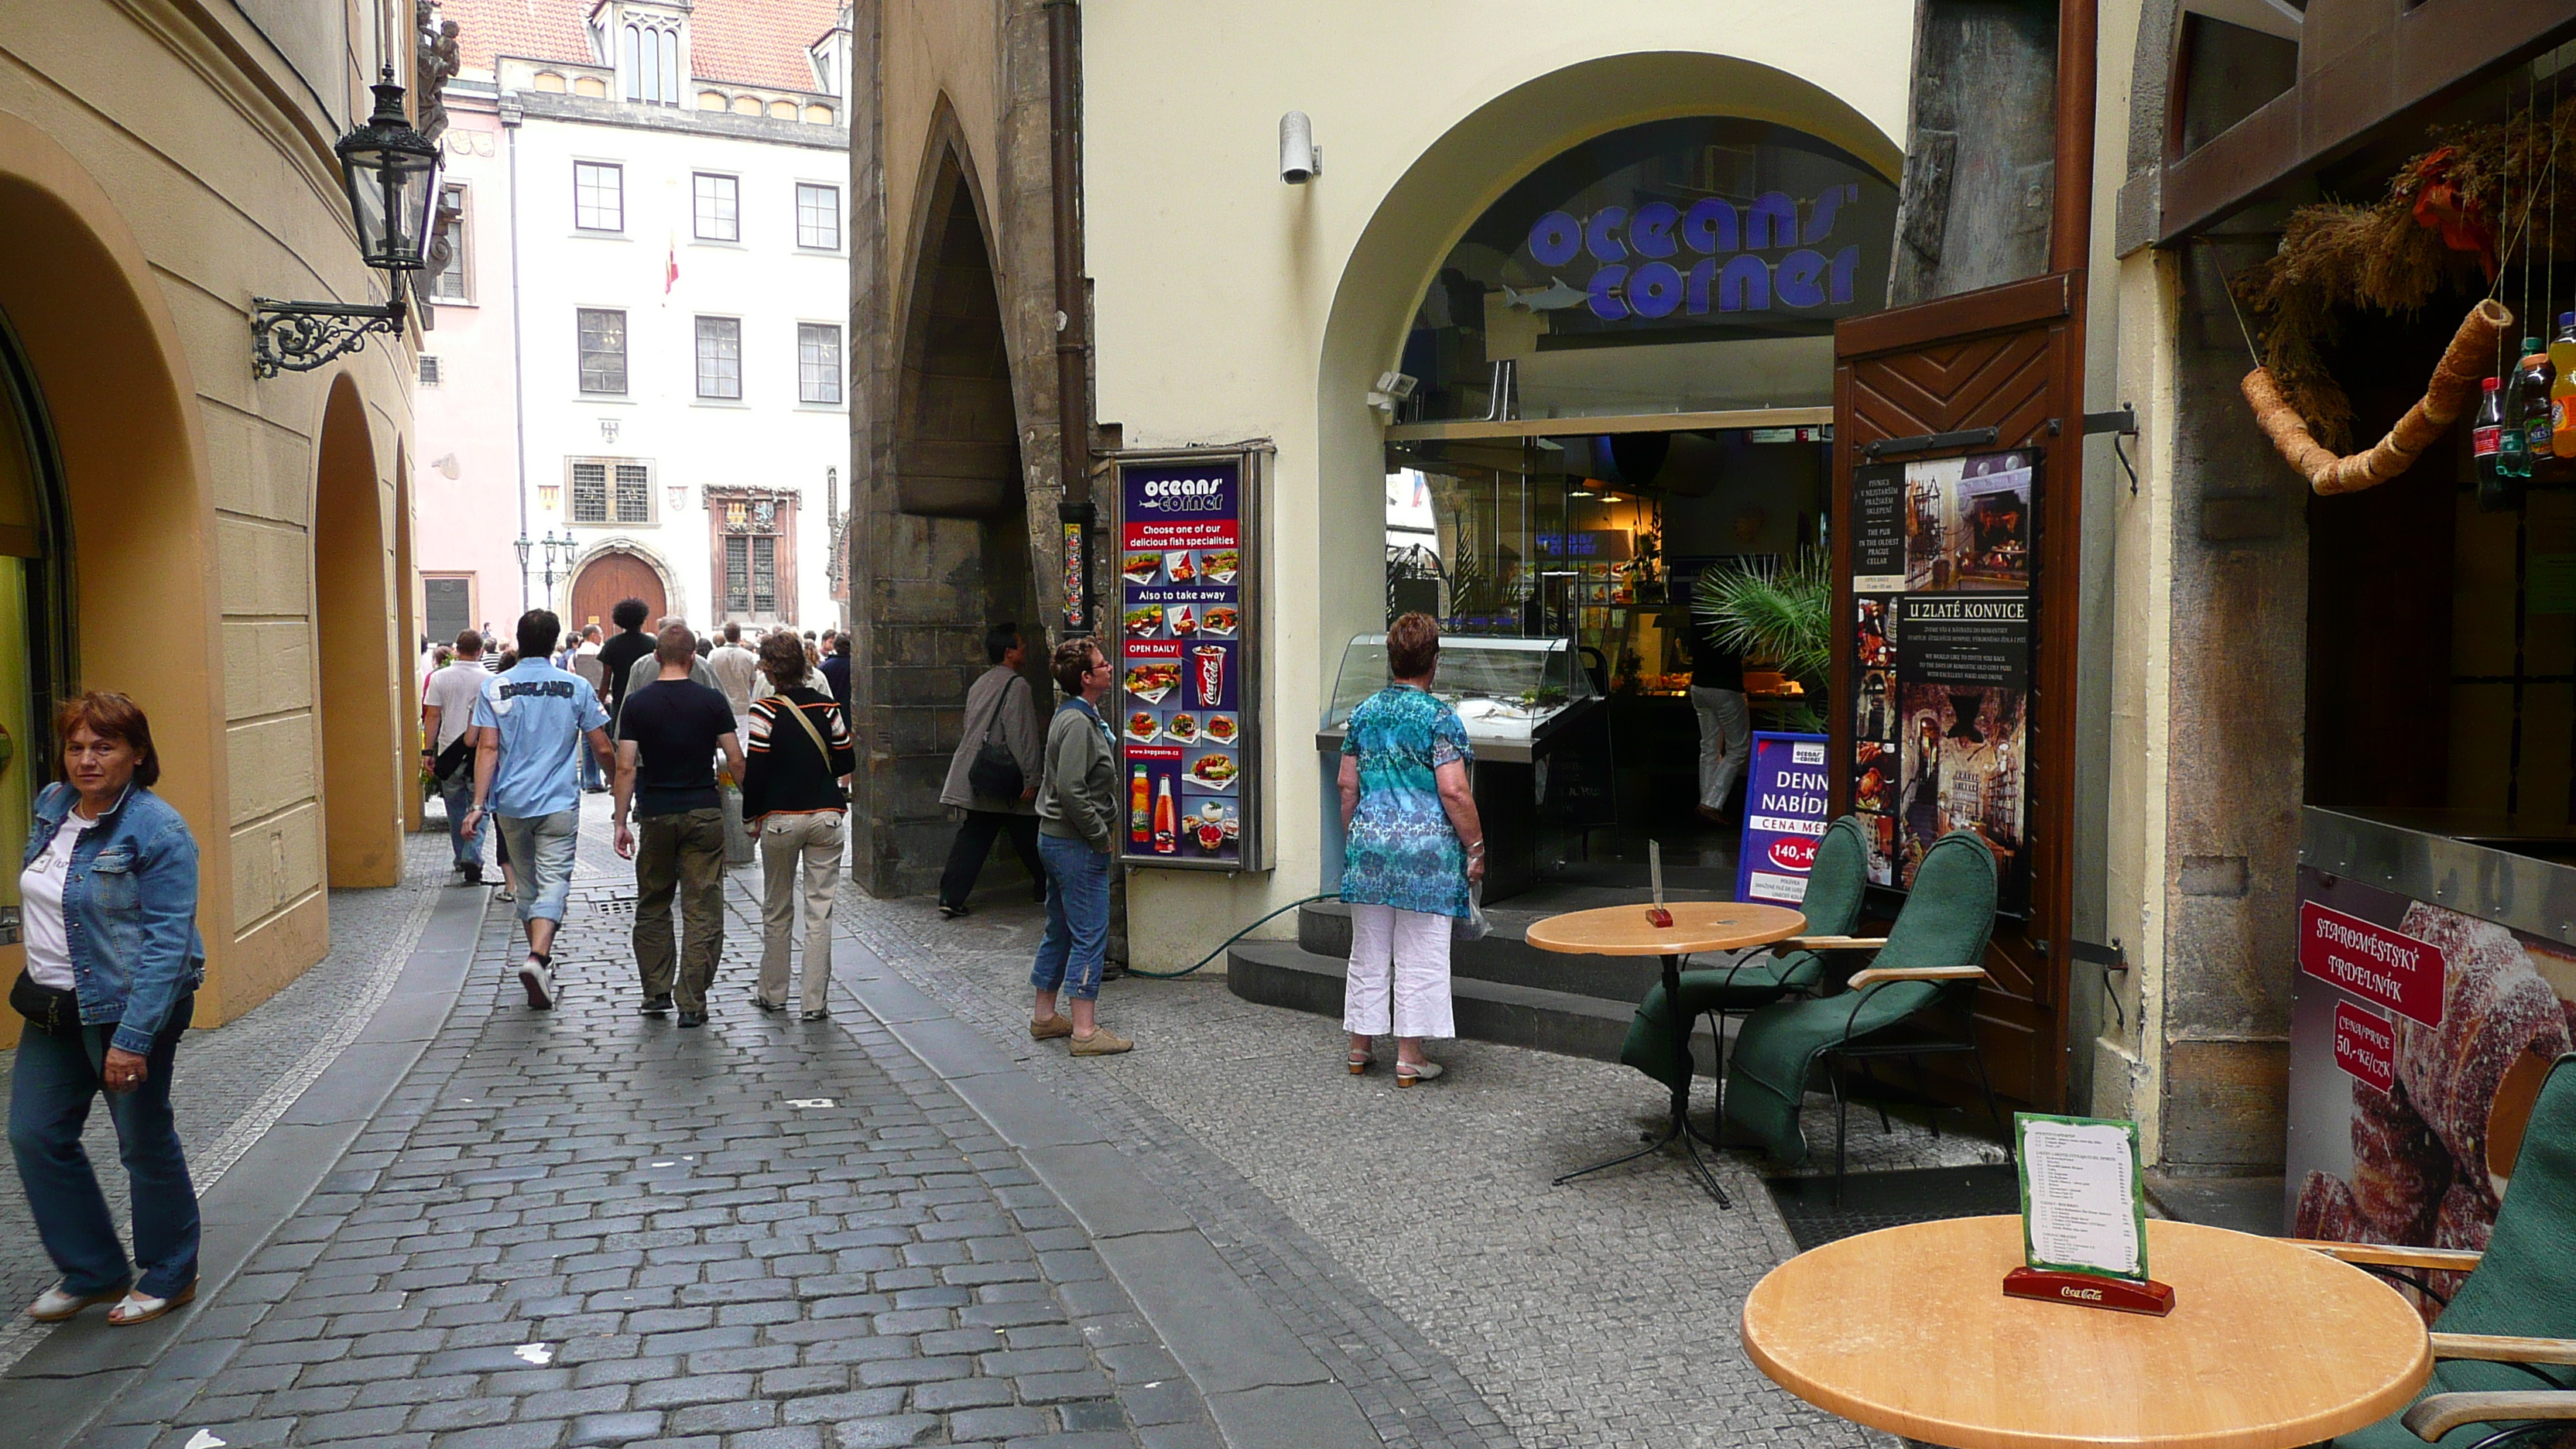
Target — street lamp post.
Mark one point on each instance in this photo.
(391, 173)
(523, 544)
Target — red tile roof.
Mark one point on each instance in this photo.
(747, 42)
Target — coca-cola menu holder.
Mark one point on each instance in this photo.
(2083, 1216)
(1184, 543)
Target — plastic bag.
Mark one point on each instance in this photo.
(1474, 925)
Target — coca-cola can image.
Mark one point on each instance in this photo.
(1211, 674)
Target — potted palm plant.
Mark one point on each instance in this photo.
(1781, 613)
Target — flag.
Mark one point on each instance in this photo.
(671, 268)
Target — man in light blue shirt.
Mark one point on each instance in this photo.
(529, 720)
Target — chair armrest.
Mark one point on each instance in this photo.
(1877, 974)
(2442, 1413)
(1830, 943)
(2392, 1255)
(2498, 1348)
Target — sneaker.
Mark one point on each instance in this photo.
(540, 982)
(949, 913)
(656, 1005)
(765, 1004)
(693, 1018)
(1101, 1043)
(505, 893)
(820, 1013)
(1051, 1028)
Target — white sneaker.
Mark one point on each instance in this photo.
(540, 983)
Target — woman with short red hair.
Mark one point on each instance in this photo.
(109, 917)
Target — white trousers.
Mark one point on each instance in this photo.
(1403, 954)
(1725, 736)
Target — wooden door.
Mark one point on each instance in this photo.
(2008, 358)
(609, 578)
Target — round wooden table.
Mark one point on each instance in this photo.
(1697, 926)
(1908, 1330)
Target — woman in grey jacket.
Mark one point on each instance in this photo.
(999, 707)
(1077, 835)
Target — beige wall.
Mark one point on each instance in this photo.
(1231, 306)
(182, 167)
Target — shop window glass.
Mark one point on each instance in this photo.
(1693, 265)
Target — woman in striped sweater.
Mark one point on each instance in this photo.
(793, 800)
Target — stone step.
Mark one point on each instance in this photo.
(1487, 1008)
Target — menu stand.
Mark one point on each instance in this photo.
(2090, 1290)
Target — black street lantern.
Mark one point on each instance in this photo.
(391, 171)
(392, 174)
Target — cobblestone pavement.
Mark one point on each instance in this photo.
(589, 1227)
(1414, 1238)
(233, 1081)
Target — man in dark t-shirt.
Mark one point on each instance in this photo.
(619, 654)
(668, 734)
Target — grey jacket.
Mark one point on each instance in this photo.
(1015, 728)
(649, 668)
(1079, 798)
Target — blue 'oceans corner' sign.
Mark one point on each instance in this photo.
(1784, 814)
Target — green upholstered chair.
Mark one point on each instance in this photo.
(1835, 884)
(1929, 960)
(2506, 1345)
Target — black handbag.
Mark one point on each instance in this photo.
(994, 774)
(50, 1010)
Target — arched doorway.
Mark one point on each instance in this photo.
(34, 632)
(609, 577)
(359, 688)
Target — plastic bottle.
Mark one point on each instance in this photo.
(1140, 817)
(2513, 451)
(2538, 380)
(1167, 822)
(2486, 441)
(2562, 392)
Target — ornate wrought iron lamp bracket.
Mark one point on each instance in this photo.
(301, 336)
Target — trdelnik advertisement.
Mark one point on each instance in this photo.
(1785, 810)
(1184, 590)
(2404, 1018)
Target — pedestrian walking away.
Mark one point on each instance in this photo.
(585, 662)
(667, 739)
(799, 758)
(108, 893)
(647, 669)
(735, 668)
(1413, 848)
(1725, 725)
(1077, 832)
(618, 657)
(532, 716)
(447, 747)
(1001, 731)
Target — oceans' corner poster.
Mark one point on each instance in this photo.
(1183, 595)
(1941, 560)
(1785, 810)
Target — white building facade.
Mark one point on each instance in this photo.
(661, 247)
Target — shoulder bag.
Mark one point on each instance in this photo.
(797, 711)
(995, 772)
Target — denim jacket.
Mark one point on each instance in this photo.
(129, 911)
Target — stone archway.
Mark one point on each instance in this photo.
(609, 575)
(358, 685)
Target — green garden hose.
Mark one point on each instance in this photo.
(1230, 940)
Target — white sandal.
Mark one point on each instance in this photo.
(139, 1307)
(54, 1305)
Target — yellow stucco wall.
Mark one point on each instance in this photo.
(181, 144)
(1230, 305)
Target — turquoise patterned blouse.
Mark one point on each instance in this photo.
(1401, 851)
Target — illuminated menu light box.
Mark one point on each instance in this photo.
(1186, 531)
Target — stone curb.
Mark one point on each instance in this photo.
(1257, 1377)
(75, 1373)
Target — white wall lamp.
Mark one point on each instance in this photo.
(1300, 159)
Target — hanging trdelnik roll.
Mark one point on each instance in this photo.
(2454, 386)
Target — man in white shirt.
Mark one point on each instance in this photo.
(446, 716)
(735, 669)
(585, 662)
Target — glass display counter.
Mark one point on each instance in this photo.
(1538, 729)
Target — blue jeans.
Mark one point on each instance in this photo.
(458, 791)
(541, 846)
(1077, 929)
(50, 1092)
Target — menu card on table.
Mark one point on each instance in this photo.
(2083, 1204)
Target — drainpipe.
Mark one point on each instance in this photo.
(1074, 511)
(511, 115)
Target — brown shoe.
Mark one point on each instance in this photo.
(1051, 1028)
(1101, 1043)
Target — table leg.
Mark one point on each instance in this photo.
(1680, 1124)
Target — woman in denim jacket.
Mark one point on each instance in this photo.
(109, 886)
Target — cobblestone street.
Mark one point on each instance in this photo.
(911, 1224)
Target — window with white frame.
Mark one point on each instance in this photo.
(818, 216)
(450, 283)
(818, 362)
(718, 208)
(650, 58)
(720, 357)
(598, 196)
(603, 349)
(611, 491)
